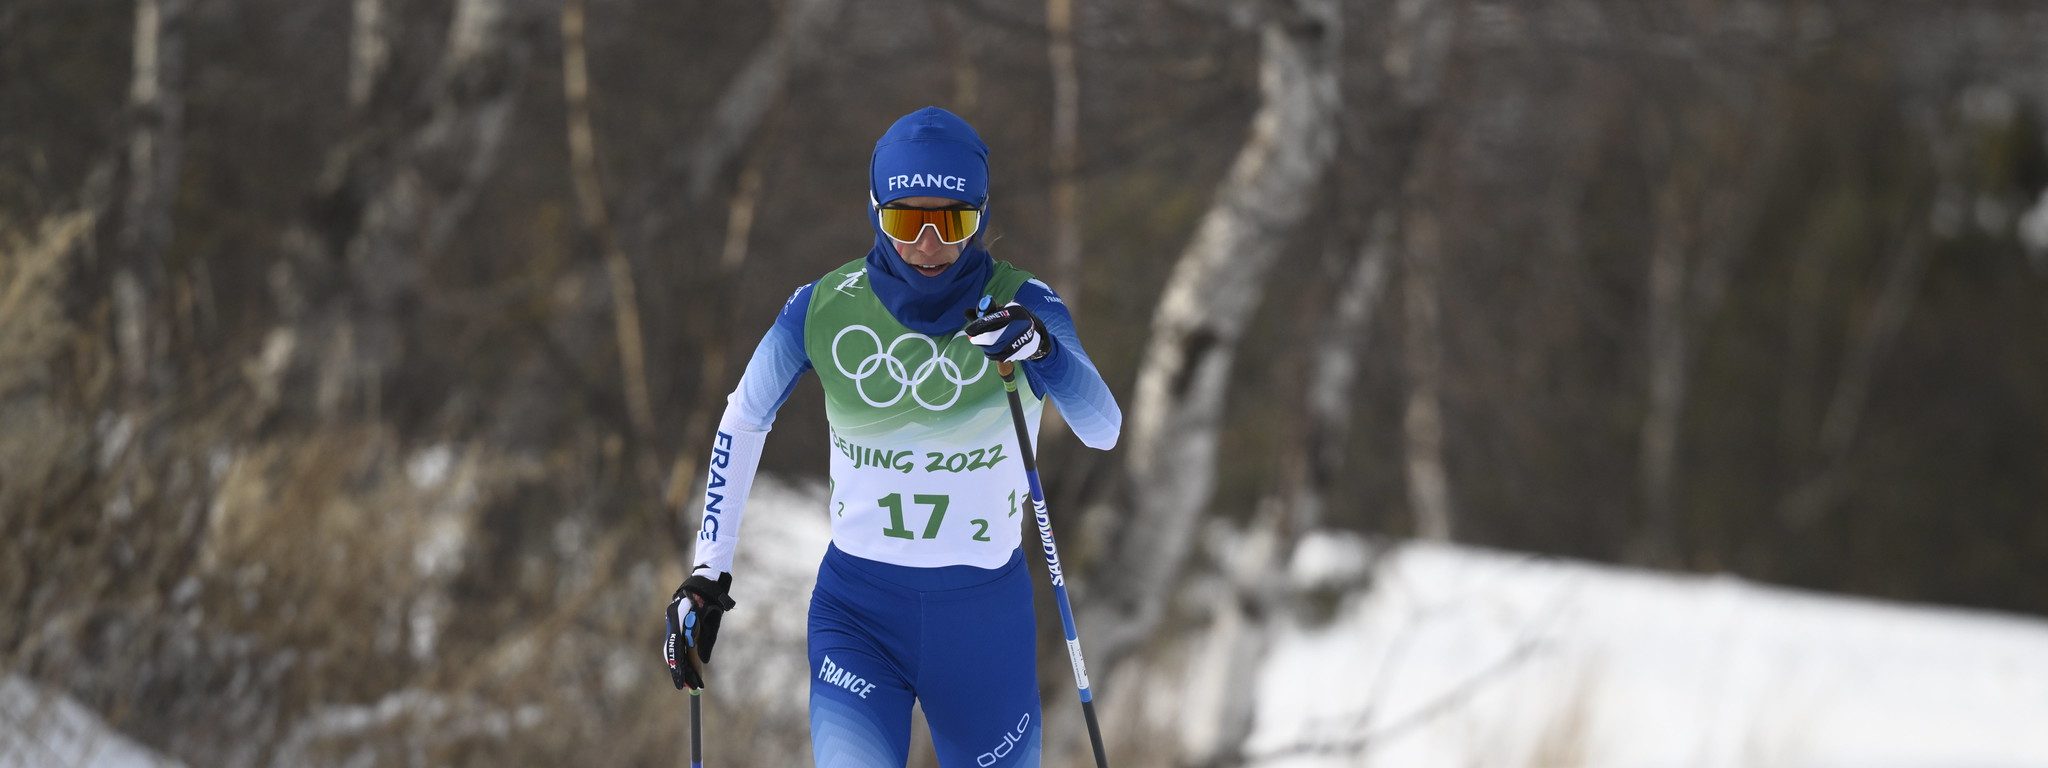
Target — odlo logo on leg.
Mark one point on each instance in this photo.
(1010, 742)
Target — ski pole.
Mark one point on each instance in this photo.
(696, 727)
(1052, 559)
(696, 694)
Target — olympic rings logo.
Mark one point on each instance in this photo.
(884, 360)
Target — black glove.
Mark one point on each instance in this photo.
(1010, 333)
(693, 616)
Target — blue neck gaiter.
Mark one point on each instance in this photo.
(929, 153)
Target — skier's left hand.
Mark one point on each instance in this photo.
(1009, 334)
(693, 617)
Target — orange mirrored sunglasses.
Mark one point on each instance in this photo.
(953, 225)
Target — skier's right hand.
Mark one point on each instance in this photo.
(1008, 333)
(694, 613)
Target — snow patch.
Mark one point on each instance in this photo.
(1467, 657)
(2033, 232)
(428, 467)
(1325, 559)
(39, 727)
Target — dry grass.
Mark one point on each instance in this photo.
(331, 594)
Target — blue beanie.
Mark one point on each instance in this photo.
(930, 152)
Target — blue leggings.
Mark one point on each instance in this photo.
(958, 639)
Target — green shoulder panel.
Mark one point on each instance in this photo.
(880, 376)
(848, 280)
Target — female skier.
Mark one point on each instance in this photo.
(923, 594)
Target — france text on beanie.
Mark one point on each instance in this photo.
(930, 153)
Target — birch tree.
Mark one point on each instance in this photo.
(1066, 147)
(1821, 485)
(1715, 165)
(1202, 313)
(141, 221)
(698, 169)
(1424, 199)
(1333, 374)
(588, 181)
(395, 196)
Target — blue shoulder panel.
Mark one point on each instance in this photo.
(1067, 376)
(778, 362)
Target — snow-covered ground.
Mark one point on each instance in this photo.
(39, 728)
(1466, 657)
(1454, 657)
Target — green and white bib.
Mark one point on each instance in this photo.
(925, 467)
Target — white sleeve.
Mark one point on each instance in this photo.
(735, 454)
(742, 430)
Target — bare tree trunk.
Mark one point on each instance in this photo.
(1419, 61)
(1333, 370)
(698, 166)
(1408, 88)
(442, 167)
(156, 107)
(589, 184)
(741, 109)
(1422, 421)
(1066, 147)
(757, 87)
(1685, 297)
(1812, 499)
(1206, 303)
(391, 204)
(960, 54)
(1410, 84)
(1803, 320)
(1808, 503)
(369, 50)
(1843, 419)
(1668, 354)
(713, 365)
